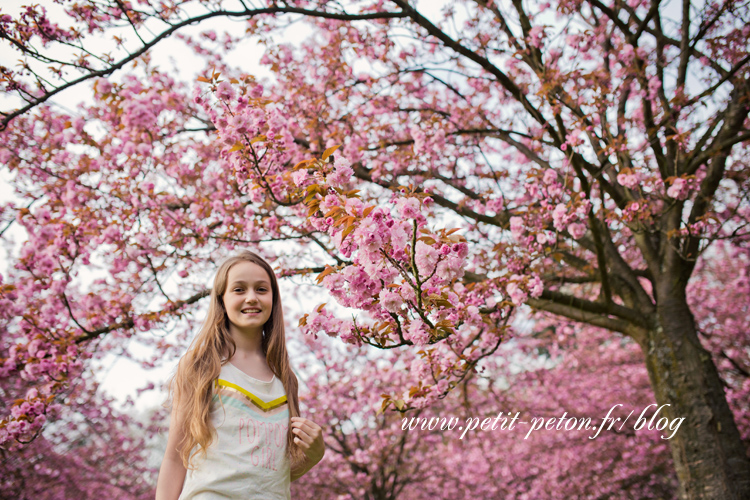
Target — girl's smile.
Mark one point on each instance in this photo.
(248, 298)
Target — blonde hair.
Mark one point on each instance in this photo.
(192, 386)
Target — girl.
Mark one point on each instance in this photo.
(230, 433)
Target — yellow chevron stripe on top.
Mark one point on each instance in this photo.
(265, 406)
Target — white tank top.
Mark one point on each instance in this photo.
(247, 459)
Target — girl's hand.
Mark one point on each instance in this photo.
(309, 437)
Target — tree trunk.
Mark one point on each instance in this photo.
(709, 456)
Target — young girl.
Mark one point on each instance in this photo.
(230, 433)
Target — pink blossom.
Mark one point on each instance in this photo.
(426, 258)
(450, 268)
(515, 292)
(390, 300)
(559, 216)
(679, 189)
(495, 205)
(629, 180)
(460, 249)
(400, 234)
(257, 92)
(536, 34)
(417, 333)
(408, 207)
(299, 177)
(353, 206)
(369, 234)
(342, 173)
(627, 53)
(328, 202)
(536, 287)
(516, 227)
(550, 176)
(225, 91)
(419, 139)
(577, 230)
(103, 86)
(139, 115)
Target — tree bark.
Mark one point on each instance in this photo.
(708, 453)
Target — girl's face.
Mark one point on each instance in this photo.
(248, 298)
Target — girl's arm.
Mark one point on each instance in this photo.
(172, 471)
(309, 437)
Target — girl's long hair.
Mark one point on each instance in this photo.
(192, 386)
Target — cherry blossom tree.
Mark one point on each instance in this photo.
(434, 173)
(587, 372)
(372, 456)
(89, 449)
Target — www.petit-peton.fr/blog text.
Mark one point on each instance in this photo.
(510, 421)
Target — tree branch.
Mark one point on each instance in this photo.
(7, 117)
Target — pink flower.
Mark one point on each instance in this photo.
(559, 216)
(461, 249)
(354, 206)
(224, 91)
(399, 234)
(409, 207)
(328, 203)
(390, 301)
(420, 368)
(299, 177)
(679, 189)
(627, 53)
(628, 180)
(450, 268)
(577, 230)
(143, 148)
(407, 292)
(516, 228)
(536, 287)
(495, 205)
(426, 258)
(550, 176)
(536, 34)
(103, 86)
(342, 172)
(369, 235)
(346, 333)
(417, 333)
(419, 140)
(139, 115)
(515, 292)
(257, 92)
